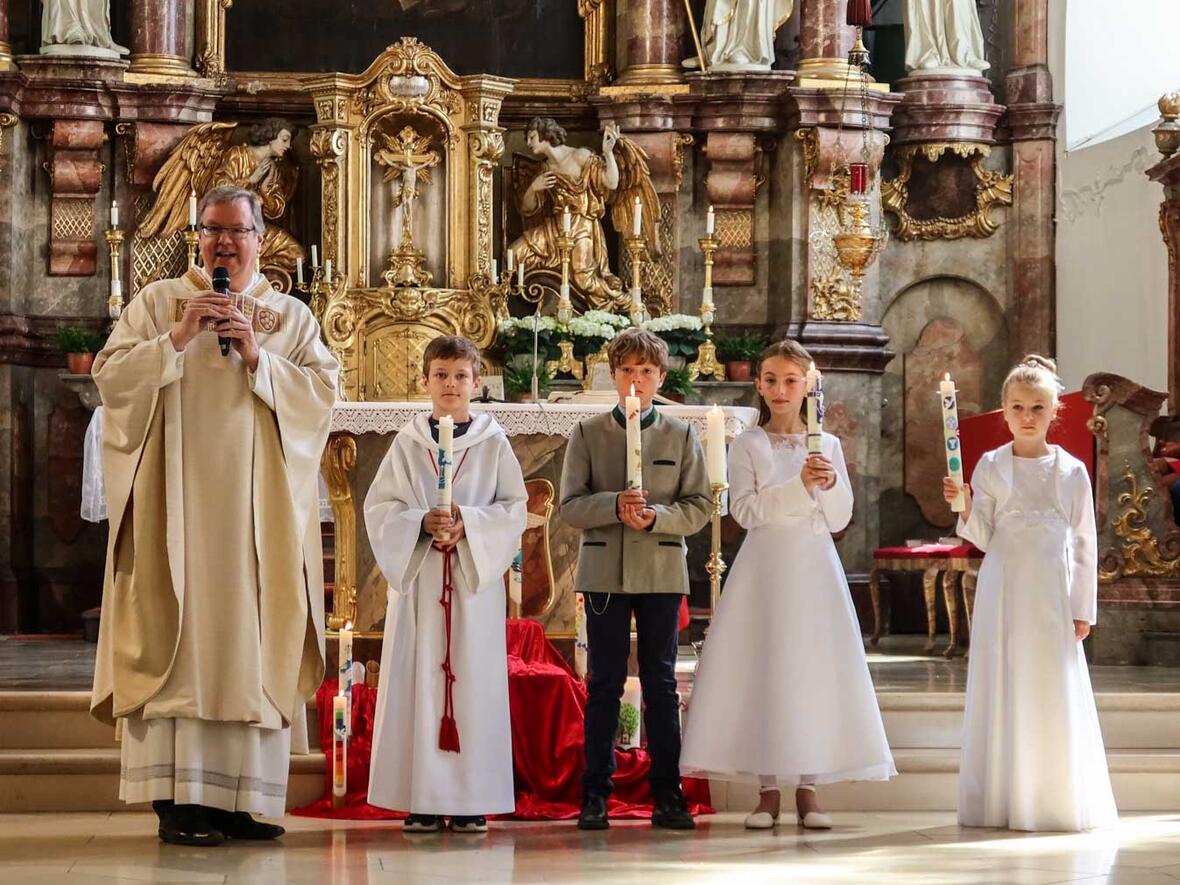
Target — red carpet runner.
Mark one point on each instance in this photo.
(547, 701)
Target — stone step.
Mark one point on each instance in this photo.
(88, 780)
(61, 720)
(928, 780)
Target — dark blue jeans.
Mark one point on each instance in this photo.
(608, 632)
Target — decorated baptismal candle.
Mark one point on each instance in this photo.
(815, 411)
(634, 445)
(715, 447)
(339, 748)
(950, 435)
(344, 670)
(446, 443)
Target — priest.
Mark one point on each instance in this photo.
(217, 409)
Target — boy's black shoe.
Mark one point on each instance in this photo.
(671, 812)
(469, 823)
(240, 825)
(423, 823)
(186, 825)
(593, 816)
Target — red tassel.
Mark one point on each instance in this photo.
(860, 13)
(448, 735)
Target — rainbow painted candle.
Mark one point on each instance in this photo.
(950, 434)
(339, 746)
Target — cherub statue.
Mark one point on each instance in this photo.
(207, 156)
(586, 183)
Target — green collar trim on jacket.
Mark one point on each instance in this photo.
(646, 420)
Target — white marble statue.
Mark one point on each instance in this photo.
(738, 35)
(78, 27)
(943, 36)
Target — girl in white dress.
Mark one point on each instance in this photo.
(1032, 756)
(783, 694)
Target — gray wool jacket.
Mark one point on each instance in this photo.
(615, 558)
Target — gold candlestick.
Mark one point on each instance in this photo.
(190, 242)
(636, 247)
(715, 565)
(706, 364)
(565, 309)
(115, 301)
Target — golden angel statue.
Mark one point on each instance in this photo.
(560, 177)
(213, 154)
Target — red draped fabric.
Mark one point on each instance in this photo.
(547, 701)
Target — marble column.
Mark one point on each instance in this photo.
(6, 62)
(824, 42)
(1167, 173)
(1032, 117)
(160, 31)
(651, 40)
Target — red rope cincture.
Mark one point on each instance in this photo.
(448, 728)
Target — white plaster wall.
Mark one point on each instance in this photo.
(1111, 260)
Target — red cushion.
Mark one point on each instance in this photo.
(928, 551)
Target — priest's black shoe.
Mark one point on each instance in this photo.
(240, 825)
(186, 825)
(671, 812)
(593, 816)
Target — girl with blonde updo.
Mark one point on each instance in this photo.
(1032, 752)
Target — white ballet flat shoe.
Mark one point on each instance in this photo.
(761, 820)
(815, 820)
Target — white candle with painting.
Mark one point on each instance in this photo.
(516, 574)
(715, 447)
(299, 270)
(115, 214)
(339, 748)
(815, 411)
(446, 446)
(344, 668)
(633, 413)
(950, 435)
(192, 208)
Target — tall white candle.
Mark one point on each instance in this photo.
(950, 437)
(566, 221)
(632, 409)
(520, 275)
(446, 446)
(815, 395)
(192, 208)
(511, 259)
(637, 219)
(710, 223)
(339, 746)
(328, 270)
(115, 213)
(299, 270)
(315, 257)
(495, 270)
(715, 446)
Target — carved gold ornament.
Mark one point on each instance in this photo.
(1141, 554)
(567, 363)
(337, 464)
(992, 189)
(832, 298)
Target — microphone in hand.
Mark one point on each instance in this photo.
(221, 287)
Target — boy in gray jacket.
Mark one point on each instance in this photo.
(632, 561)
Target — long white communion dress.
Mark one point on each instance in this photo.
(1032, 756)
(783, 695)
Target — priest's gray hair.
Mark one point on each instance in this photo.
(229, 194)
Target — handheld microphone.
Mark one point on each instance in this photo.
(221, 287)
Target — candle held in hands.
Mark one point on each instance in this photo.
(815, 411)
(632, 410)
(950, 436)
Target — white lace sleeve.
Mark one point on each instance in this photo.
(94, 497)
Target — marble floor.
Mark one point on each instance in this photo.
(908, 848)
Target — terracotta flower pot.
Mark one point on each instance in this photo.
(739, 371)
(79, 363)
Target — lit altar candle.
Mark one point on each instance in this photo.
(328, 270)
(950, 435)
(115, 214)
(815, 396)
(565, 221)
(315, 257)
(511, 259)
(858, 177)
(715, 447)
(299, 270)
(710, 223)
(637, 220)
(192, 208)
(631, 406)
(339, 748)
(446, 445)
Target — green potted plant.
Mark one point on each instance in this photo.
(628, 725)
(683, 334)
(739, 352)
(79, 346)
(677, 384)
(518, 380)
